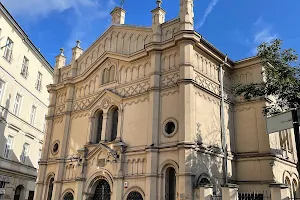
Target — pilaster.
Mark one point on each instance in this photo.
(64, 143)
(187, 126)
(41, 180)
(158, 18)
(76, 53)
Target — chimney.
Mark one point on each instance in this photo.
(158, 17)
(187, 14)
(118, 15)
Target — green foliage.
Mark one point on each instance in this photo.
(281, 74)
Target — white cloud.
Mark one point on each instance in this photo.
(41, 8)
(208, 10)
(264, 35)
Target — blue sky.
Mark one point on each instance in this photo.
(235, 27)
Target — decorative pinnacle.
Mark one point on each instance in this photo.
(122, 3)
(61, 51)
(159, 2)
(78, 43)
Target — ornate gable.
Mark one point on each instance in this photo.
(121, 39)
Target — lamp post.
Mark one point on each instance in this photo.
(223, 132)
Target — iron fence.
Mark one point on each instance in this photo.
(254, 196)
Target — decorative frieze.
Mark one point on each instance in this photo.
(169, 80)
(206, 83)
(133, 90)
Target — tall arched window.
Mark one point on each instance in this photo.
(68, 196)
(170, 184)
(105, 76)
(50, 188)
(113, 123)
(111, 73)
(99, 121)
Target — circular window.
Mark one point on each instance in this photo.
(170, 127)
(55, 147)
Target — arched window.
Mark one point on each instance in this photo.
(105, 76)
(288, 183)
(170, 184)
(295, 188)
(134, 195)
(19, 193)
(50, 189)
(113, 122)
(99, 121)
(68, 196)
(111, 73)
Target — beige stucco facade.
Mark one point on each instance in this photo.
(21, 126)
(138, 113)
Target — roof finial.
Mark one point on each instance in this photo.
(78, 43)
(158, 2)
(122, 3)
(61, 51)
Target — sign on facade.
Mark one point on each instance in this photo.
(280, 122)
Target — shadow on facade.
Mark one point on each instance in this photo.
(206, 161)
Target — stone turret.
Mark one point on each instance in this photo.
(158, 17)
(187, 14)
(118, 15)
(60, 59)
(60, 63)
(76, 51)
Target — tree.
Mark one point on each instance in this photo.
(281, 78)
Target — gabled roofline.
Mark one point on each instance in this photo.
(26, 38)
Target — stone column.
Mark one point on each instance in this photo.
(279, 191)
(230, 192)
(76, 53)
(120, 122)
(104, 129)
(78, 193)
(39, 192)
(64, 144)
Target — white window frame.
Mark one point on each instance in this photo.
(24, 69)
(32, 114)
(38, 84)
(16, 111)
(8, 50)
(8, 147)
(25, 153)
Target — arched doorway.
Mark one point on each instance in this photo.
(170, 184)
(19, 193)
(102, 191)
(134, 195)
(68, 196)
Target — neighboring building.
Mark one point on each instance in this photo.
(24, 74)
(137, 116)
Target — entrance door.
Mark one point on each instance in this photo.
(134, 195)
(102, 191)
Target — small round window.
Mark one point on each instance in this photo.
(55, 147)
(170, 127)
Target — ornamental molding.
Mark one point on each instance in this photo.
(169, 80)
(141, 100)
(170, 92)
(133, 90)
